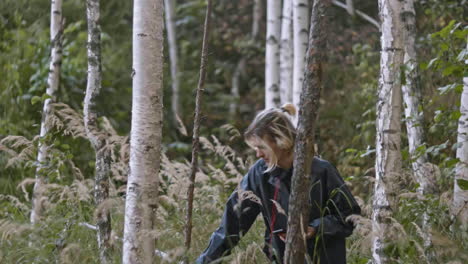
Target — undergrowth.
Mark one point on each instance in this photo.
(66, 233)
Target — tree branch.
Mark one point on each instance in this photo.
(196, 127)
(358, 13)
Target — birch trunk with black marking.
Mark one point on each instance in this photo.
(53, 79)
(196, 127)
(146, 133)
(460, 195)
(301, 36)
(299, 209)
(388, 155)
(272, 62)
(286, 53)
(173, 56)
(93, 133)
(414, 114)
(412, 96)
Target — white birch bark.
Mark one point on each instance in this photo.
(146, 133)
(273, 35)
(173, 55)
(414, 115)
(235, 85)
(412, 93)
(53, 79)
(93, 133)
(286, 53)
(301, 35)
(460, 196)
(388, 155)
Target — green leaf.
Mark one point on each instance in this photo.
(452, 162)
(455, 27)
(45, 96)
(65, 146)
(423, 66)
(350, 150)
(463, 184)
(444, 33)
(73, 27)
(444, 47)
(450, 70)
(421, 148)
(455, 115)
(35, 99)
(461, 34)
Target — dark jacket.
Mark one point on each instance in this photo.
(330, 201)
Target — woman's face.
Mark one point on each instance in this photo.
(268, 150)
(262, 151)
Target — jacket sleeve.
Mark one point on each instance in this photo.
(337, 208)
(237, 219)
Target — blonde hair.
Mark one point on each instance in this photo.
(273, 124)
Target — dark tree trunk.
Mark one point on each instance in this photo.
(304, 147)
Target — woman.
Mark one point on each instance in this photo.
(266, 187)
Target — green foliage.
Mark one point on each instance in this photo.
(63, 235)
(346, 133)
(463, 184)
(448, 67)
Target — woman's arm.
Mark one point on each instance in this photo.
(337, 208)
(237, 219)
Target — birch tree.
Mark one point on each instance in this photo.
(272, 63)
(460, 195)
(388, 155)
(301, 35)
(146, 133)
(173, 55)
(235, 87)
(53, 79)
(97, 138)
(196, 127)
(413, 112)
(286, 53)
(299, 209)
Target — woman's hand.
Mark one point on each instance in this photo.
(309, 234)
